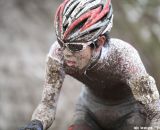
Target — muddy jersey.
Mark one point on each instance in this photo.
(117, 74)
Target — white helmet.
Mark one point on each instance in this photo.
(83, 20)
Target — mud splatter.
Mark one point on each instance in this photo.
(46, 110)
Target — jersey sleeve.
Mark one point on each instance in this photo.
(142, 85)
(45, 112)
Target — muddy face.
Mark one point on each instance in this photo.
(77, 60)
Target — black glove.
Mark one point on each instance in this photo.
(33, 125)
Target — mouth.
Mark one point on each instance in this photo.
(70, 63)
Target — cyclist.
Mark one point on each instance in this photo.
(118, 94)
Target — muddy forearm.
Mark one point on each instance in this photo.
(45, 114)
(144, 88)
(145, 91)
(46, 110)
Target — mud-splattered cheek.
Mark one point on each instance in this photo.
(82, 60)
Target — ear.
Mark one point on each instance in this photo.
(101, 41)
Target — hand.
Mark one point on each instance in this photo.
(33, 125)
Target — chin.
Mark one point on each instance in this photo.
(73, 70)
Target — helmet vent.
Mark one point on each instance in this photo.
(107, 15)
(65, 27)
(83, 20)
(71, 11)
(79, 26)
(89, 35)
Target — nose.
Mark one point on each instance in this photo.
(67, 53)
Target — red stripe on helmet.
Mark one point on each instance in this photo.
(97, 16)
(61, 13)
(56, 14)
(89, 14)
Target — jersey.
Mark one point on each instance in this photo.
(116, 76)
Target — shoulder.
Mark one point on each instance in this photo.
(54, 49)
(124, 57)
(118, 48)
(55, 52)
(121, 46)
(122, 49)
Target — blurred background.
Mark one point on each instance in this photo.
(27, 32)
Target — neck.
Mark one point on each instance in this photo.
(94, 59)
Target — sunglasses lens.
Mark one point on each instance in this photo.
(75, 47)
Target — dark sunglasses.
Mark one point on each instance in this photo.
(74, 47)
